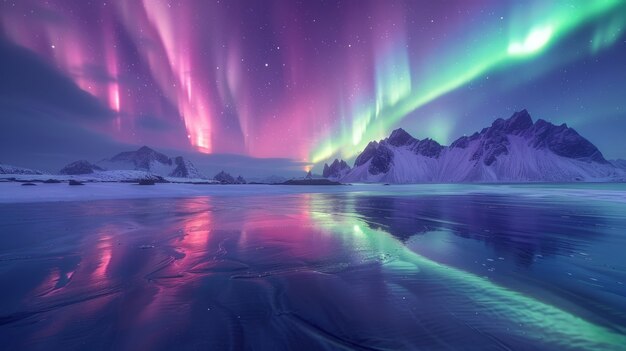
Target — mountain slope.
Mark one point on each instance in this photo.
(8, 169)
(337, 170)
(80, 167)
(619, 163)
(512, 150)
(185, 169)
(148, 160)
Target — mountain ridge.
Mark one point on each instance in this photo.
(80, 167)
(336, 170)
(149, 160)
(514, 149)
(9, 169)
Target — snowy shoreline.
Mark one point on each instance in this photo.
(14, 192)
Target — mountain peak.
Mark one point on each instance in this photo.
(512, 149)
(428, 147)
(519, 121)
(224, 178)
(367, 153)
(523, 113)
(400, 137)
(80, 167)
(337, 169)
(145, 150)
(148, 159)
(142, 158)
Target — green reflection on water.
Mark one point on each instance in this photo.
(538, 320)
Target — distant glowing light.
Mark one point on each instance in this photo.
(193, 100)
(533, 43)
(198, 73)
(609, 32)
(114, 97)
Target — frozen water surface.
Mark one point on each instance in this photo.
(432, 267)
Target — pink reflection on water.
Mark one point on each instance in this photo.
(288, 228)
(104, 252)
(49, 283)
(84, 280)
(189, 248)
(150, 263)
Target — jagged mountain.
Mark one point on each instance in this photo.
(143, 158)
(516, 150)
(80, 167)
(337, 169)
(185, 169)
(8, 169)
(149, 160)
(226, 178)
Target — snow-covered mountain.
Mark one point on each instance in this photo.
(185, 169)
(8, 169)
(148, 160)
(337, 170)
(619, 163)
(225, 178)
(512, 150)
(80, 167)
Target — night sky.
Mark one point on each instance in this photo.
(276, 86)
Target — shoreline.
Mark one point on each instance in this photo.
(14, 192)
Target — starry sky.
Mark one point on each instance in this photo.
(282, 86)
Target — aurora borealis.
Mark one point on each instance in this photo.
(313, 80)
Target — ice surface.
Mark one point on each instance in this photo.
(485, 267)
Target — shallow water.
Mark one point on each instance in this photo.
(427, 270)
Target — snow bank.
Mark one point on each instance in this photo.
(14, 192)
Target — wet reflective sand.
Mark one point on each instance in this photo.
(315, 271)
